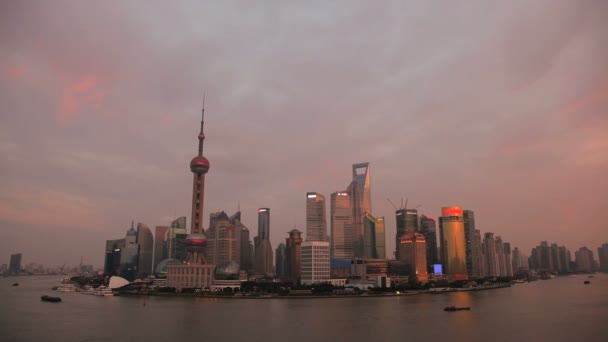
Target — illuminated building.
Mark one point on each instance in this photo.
(263, 249)
(195, 272)
(412, 252)
(14, 266)
(453, 249)
(602, 252)
(222, 240)
(471, 252)
(407, 222)
(316, 221)
(361, 203)
(293, 255)
(160, 252)
(145, 240)
(315, 262)
(342, 228)
(428, 228)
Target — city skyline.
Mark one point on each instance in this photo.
(521, 144)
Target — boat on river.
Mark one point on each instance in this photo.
(16, 284)
(453, 308)
(50, 299)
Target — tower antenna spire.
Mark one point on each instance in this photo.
(201, 135)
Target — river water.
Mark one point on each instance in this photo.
(560, 309)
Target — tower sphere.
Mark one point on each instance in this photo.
(199, 165)
(196, 242)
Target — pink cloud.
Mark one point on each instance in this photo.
(83, 94)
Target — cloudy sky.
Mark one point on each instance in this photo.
(501, 108)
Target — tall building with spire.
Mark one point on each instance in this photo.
(195, 273)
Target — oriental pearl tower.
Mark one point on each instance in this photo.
(196, 241)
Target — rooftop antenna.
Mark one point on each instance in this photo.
(391, 202)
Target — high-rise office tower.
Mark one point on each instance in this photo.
(428, 228)
(316, 221)
(412, 251)
(222, 240)
(145, 240)
(279, 263)
(263, 248)
(407, 222)
(342, 227)
(14, 265)
(315, 262)
(175, 238)
(244, 243)
(490, 257)
(111, 265)
(293, 255)
(584, 260)
(602, 253)
(374, 240)
(160, 252)
(361, 203)
(546, 263)
(508, 260)
(469, 237)
(453, 248)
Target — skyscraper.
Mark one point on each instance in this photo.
(508, 260)
(428, 228)
(407, 222)
(263, 248)
(293, 255)
(175, 237)
(564, 259)
(244, 243)
(279, 261)
(361, 203)
(453, 248)
(374, 240)
(602, 253)
(222, 240)
(478, 253)
(129, 261)
(490, 257)
(160, 252)
(469, 236)
(584, 260)
(111, 265)
(412, 252)
(14, 266)
(500, 256)
(342, 228)
(316, 221)
(145, 240)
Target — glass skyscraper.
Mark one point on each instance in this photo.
(316, 220)
(453, 247)
(342, 228)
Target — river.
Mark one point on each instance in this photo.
(560, 309)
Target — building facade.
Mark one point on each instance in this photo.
(223, 240)
(342, 228)
(315, 262)
(471, 252)
(453, 247)
(412, 252)
(293, 256)
(316, 220)
(428, 228)
(160, 241)
(602, 253)
(406, 222)
(263, 263)
(145, 240)
(14, 266)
